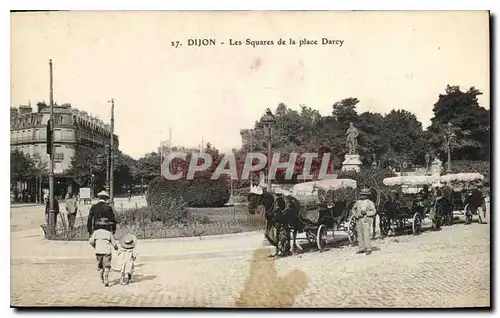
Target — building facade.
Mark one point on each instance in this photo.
(73, 130)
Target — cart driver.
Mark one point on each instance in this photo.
(425, 193)
(363, 211)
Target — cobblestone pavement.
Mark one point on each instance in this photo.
(436, 269)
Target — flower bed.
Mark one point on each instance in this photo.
(200, 222)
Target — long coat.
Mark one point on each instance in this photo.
(101, 210)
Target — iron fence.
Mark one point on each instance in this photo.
(199, 222)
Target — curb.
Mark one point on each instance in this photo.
(172, 239)
(142, 257)
(16, 206)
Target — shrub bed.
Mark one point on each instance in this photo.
(195, 193)
(145, 224)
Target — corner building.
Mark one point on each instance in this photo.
(73, 131)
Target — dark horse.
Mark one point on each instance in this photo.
(283, 214)
(444, 203)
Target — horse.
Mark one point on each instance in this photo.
(282, 213)
(444, 203)
(266, 199)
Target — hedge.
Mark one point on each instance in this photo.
(206, 193)
(195, 193)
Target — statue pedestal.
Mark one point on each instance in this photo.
(436, 167)
(351, 163)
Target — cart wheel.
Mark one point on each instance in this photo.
(385, 224)
(311, 237)
(321, 237)
(284, 242)
(271, 238)
(351, 230)
(417, 223)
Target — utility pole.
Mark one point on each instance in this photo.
(52, 216)
(107, 153)
(251, 151)
(112, 152)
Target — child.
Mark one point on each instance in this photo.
(102, 240)
(128, 256)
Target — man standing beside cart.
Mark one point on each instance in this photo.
(363, 211)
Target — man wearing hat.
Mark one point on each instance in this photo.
(101, 210)
(127, 257)
(363, 211)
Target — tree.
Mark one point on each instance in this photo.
(148, 167)
(344, 111)
(403, 132)
(373, 143)
(85, 163)
(20, 166)
(40, 166)
(471, 124)
(125, 170)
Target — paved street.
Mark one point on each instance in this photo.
(436, 269)
(30, 216)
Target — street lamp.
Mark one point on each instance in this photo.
(449, 135)
(268, 120)
(427, 161)
(106, 149)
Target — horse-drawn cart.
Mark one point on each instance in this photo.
(408, 204)
(332, 215)
(462, 190)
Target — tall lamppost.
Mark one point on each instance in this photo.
(448, 136)
(268, 120)
(106, 147)
(405, 166)
(427, 162)
(112, 155)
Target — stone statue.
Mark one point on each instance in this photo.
(352, 142)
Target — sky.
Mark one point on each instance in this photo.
(388, 60)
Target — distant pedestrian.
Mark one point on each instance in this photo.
(127, 257)
(102, 241)
(101, 210)
(363, 211)
(129, 195)
(72, 210)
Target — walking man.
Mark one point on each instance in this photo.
(101, 210)
(56, 211)
(363, 211)
(72, 210)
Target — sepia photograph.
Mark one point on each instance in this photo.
(250, 159)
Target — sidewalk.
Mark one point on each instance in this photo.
(33, 248)
(139, 199)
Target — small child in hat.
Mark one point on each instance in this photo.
(102, 241)
(128, 256)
